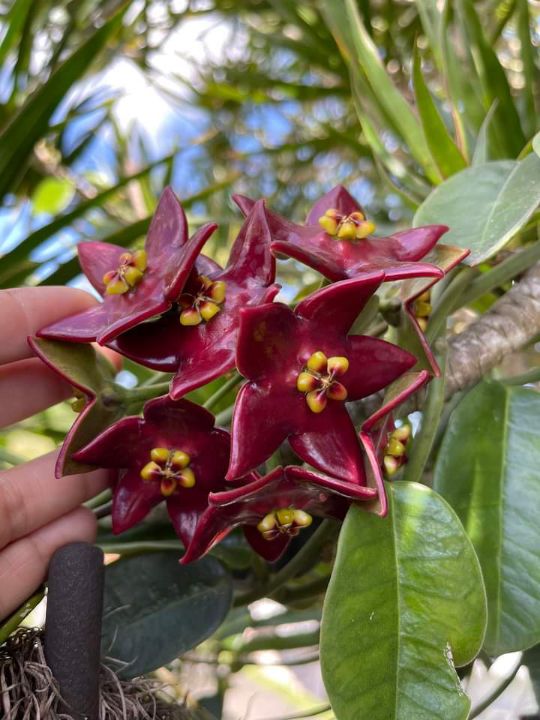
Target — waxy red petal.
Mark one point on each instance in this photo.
(180, 425)
(329, 442)
(168, 229)
(336, 259)
(180, 417)
(97, 258)
(268, 337)
(338, 198)
(115, 446)
(336, 307)
(283, 487)
(133, 500)
(250, 256)
(170, 260)
(373, 364)
(269, 550)
(201, 353)
(263, 418)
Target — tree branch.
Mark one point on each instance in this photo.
(512, 322)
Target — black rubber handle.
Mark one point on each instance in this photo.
(73, 626)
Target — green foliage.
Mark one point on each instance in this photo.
(488, 471)
(406, 600)
(485, 206)
(156, 609)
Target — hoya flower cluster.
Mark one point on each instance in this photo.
(171, 308)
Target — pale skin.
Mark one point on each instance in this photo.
(38, 513)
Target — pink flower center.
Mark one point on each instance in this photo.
(283, 521)
(202, 304)
(170, 468)
(318, 380)
(127, 275)
(346, 227)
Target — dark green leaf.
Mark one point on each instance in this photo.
(494, 82)
(156, 609)
(405, 602)
(484, 206)
(443, 149)
(488, 470)
(481, 152)
(367, 68)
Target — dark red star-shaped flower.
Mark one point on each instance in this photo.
(384, 445)
(337, 240)
(135, 285)
(273, 509)
(197, 340)
(301, 368)
(174, 454)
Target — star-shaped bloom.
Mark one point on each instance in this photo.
(174, 454)
(385, 445)
(301, 368)
(135, 285)
(197, 339)
(337, 240)
(416, 297)
(98, 401)
(273, 509)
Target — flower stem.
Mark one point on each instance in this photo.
(502, 273)
(13, 622)
(225, 416)
(497, 692)
(147, 392)
(450, 299)
(138, 548)
(304, 559)
(223, 391)
(531, 376)
(99, 500)
(431, 414)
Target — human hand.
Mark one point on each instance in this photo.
(38, 513)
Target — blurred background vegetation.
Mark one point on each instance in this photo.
(104, 103)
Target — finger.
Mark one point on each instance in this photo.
(30, 496)
(27, 387)
(23, 311)
(24, 563)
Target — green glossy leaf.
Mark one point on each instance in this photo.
(443, 149)
(360, 52)
(488, 470)
(481, 152)
(156, 609)
(484, 206)
(493, 82)
(536, 144)
(31, 122)
(531, 104)
(14, 24)
(405, 599)
(52, 195)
